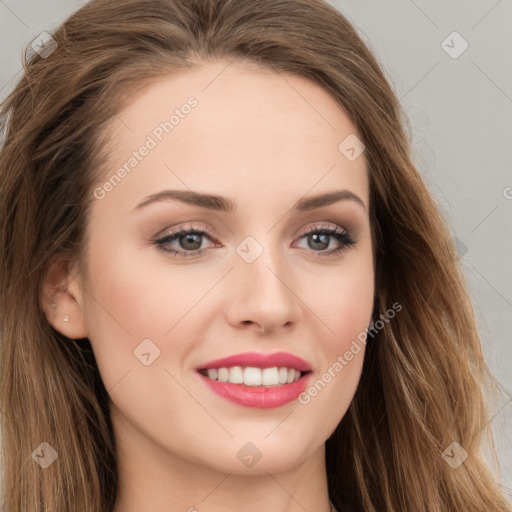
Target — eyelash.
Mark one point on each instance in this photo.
(339, 234)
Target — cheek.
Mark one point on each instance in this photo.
(133, 295)
(122, 308)
(344, 305)
(131, 298)
(343, 300)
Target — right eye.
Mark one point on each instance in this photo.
(189, 239)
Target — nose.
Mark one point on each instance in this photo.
(263, 297)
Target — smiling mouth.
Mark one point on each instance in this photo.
(254, 377)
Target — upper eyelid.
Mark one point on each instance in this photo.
(210, 233)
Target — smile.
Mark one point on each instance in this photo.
(257, 380)
(251, 376)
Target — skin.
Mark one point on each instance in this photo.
(263, 140)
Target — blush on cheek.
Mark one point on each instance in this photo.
(350, 319)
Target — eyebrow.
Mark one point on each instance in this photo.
(223, 204)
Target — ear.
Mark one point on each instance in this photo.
(61, 298)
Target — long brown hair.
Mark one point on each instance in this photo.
(424, 383)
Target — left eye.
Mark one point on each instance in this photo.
(318, 239)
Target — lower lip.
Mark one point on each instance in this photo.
(260, 397)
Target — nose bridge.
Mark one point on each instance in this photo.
(263, 267)
(264, 285)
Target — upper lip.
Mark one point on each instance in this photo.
(259, 360)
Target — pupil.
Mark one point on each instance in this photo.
(189, 238)
(322, 236)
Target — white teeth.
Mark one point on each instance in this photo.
(250, 376)
(236, 375)
(223, 374)
(270, 377)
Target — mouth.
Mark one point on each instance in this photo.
(257, 380)
(254, 377)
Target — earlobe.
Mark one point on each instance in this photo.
(61, 298)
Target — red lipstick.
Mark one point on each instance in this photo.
(259, 396)
(259, 360)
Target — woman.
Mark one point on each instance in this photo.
(314, 348)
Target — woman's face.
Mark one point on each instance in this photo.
(159, 305)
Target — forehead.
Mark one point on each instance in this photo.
(229, 129)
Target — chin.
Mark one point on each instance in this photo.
(259, 456)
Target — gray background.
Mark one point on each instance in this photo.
(461, 123)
